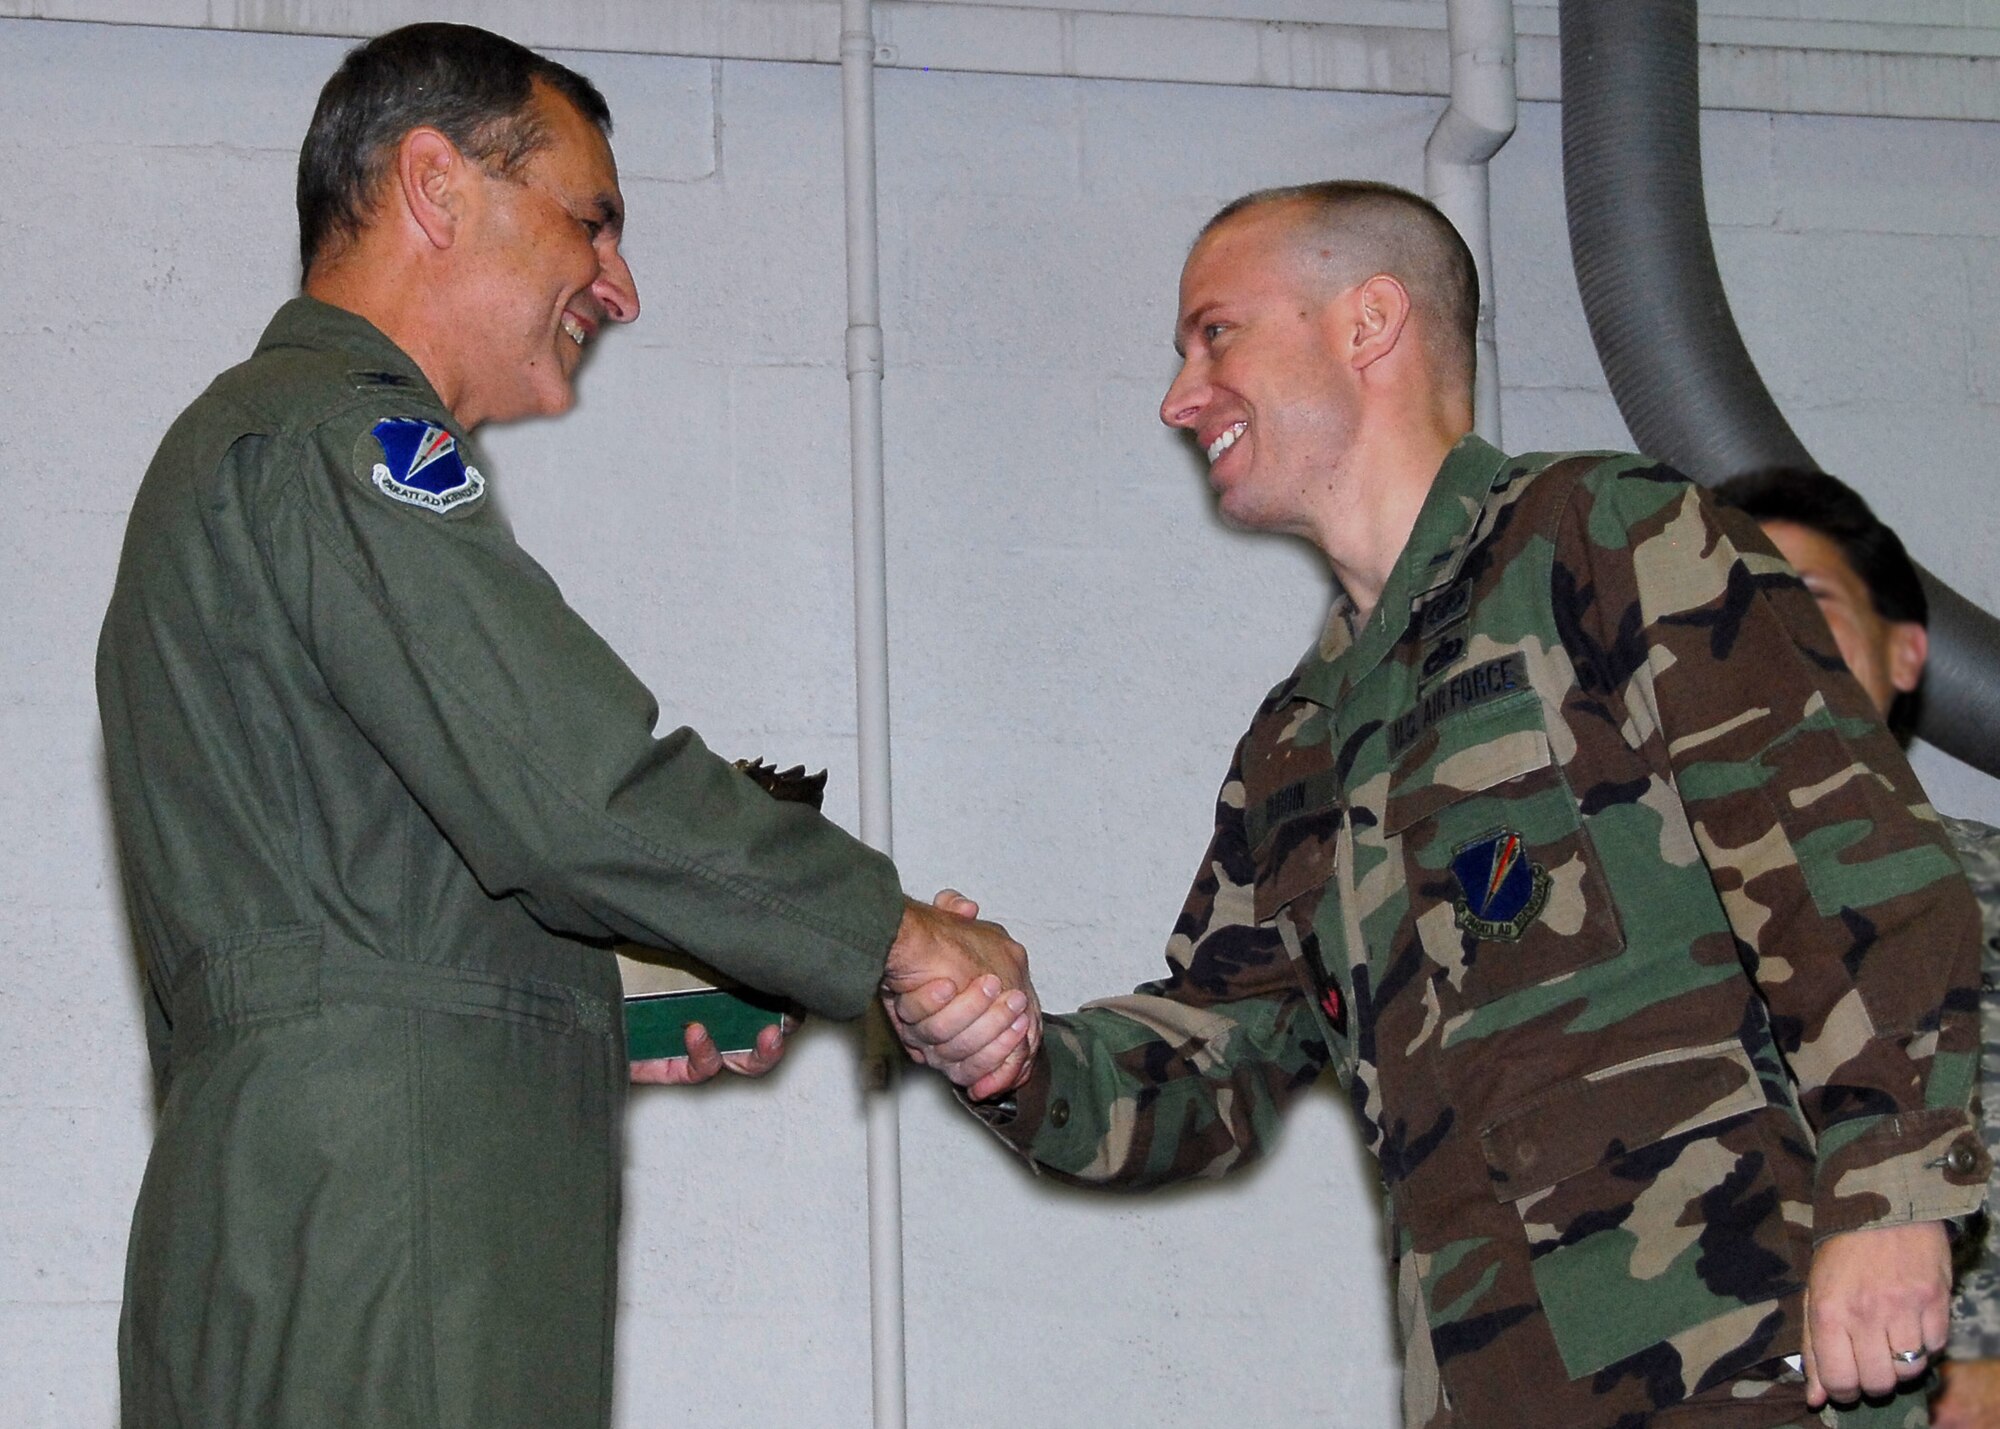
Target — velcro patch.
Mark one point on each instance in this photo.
(423, 467)
(1446, 609)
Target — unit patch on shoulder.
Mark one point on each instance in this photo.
(1502, 890)
(423, 467)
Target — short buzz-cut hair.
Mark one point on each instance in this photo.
(1357, 228)
(471, 85)
(1826, 504)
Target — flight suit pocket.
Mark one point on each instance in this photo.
(1646, 1195)
(1504, 885)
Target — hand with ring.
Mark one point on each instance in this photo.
(1872, 1292)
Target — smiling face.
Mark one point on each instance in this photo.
(1886, 657)
(542, 271)
(1262, 388)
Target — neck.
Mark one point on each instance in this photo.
(1387, 474)
(402, 304)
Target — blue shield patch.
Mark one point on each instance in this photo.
(422, 466)
(1501, 889)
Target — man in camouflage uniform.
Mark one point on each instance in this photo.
(1858, 571)
(1610, 899)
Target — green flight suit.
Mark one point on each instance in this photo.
(383, 801)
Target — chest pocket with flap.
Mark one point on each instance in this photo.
(1504, 885)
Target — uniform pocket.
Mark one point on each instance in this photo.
(1646, 1194)
(1294, 861)
(1504, 885)
(1294, 873)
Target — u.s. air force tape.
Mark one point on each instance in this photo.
(1463, 691)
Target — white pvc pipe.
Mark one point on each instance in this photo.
(871, 680)
(1478, 120)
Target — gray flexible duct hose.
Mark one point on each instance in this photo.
(1638, 235)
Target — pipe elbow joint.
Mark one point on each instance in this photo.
(1464, 136)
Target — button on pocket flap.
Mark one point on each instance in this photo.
(1617, 1110)
(1295, 857)
(1481, 751)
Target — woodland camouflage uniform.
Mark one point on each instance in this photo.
(1625, 926)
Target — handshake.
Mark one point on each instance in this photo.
(957, 993)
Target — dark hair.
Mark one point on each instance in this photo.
(1363, 228)
(1831, 507)
(471, 85)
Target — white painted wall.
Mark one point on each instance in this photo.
(1076, 643)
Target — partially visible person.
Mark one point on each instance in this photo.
(1867, 588)
(384, 802)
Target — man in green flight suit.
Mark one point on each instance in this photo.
(384, 802)
(1573, 851)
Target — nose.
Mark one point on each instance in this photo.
(1185, 398)
(616, 289)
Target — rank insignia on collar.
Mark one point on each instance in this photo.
(1502, 889)
(423, 467)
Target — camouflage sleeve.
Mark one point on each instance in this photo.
(1847, 905)
(1975, 1309)
(1187, 1076)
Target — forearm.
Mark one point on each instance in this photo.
(1141, 1091)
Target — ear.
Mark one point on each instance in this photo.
(1909, 647)
(1379, 317)
(429, 181)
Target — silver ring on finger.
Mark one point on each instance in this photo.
(1907, 1356)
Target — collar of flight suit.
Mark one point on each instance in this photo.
(1430, 559)
(374, 360)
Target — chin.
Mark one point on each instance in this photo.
(1243, 515)
(551, 401)
(1233, 507)
(531, 407)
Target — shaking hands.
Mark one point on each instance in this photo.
(957, 993)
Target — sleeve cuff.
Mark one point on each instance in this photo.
(1926, 1165)
(1016, 1117)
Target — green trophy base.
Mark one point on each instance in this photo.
(656, 1022)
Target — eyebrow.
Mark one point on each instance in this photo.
(1187, 325)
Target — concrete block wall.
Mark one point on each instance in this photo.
(1075, 641)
